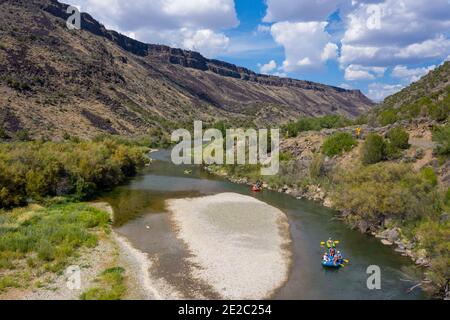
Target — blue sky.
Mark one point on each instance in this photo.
(378, 46)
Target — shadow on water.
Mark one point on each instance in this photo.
(141, 216)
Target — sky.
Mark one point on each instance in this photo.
(377, 46)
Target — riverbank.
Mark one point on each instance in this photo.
(252, 237)
(402, 201)
(107, 265)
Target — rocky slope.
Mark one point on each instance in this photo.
(53, 80)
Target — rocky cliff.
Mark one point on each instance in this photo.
(84, 82)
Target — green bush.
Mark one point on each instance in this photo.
(384, 190)
(447, 197)
(441, 135)
(434, 237)
(338, 143)
(398, 138)
(374, 149)
(440, 111)
(40, 169)
(316, 123)
(387, 117)
(429, 175)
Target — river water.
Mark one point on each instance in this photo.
(141, 217)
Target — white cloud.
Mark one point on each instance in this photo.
(432, 48)
(263, 28)
(378, 91)
(193, 24)
(300, 10)
(396, 32)
(356, 72)
(330, 52)
(280, 74)
(205, 41)
(306, 44)
(410, 75)
(268, 67)
(346, 86)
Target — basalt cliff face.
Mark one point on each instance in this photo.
(84, 82)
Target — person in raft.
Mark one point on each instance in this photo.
(325, 257)
(330, 243)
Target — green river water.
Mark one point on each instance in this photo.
(141, 217)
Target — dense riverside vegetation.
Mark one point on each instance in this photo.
(39, 240)
(34, 170)
(394, 196)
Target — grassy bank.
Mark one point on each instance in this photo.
(43, 226)
(38, 242)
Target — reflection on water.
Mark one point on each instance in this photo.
(140, 215)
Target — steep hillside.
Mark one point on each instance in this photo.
(428, 97)
(53, 81)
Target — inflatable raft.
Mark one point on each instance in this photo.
(330, 264)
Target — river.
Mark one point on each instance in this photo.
(141, 217)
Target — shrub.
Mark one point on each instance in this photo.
(23, 135)
(338, 143)
(316, 123)
(3, 134)
(374, 149)
(441, 135)
(316, 167)
(434, 237)
(387, 117)
(392, 152)
(439, 111)
(383, 190)
(41, 169)
(429, 175)
(398, 138)
(447, 197)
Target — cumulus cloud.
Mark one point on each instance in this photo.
(411, 75)
(306, 44)
(205, 41)
(193, 24)
(268, 67)
(263, 28)
(300, 10)
(356, 72)
(378, 91)
(396, 31)
(330, 52)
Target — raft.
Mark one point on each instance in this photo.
(330, 264)
(256, 189)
